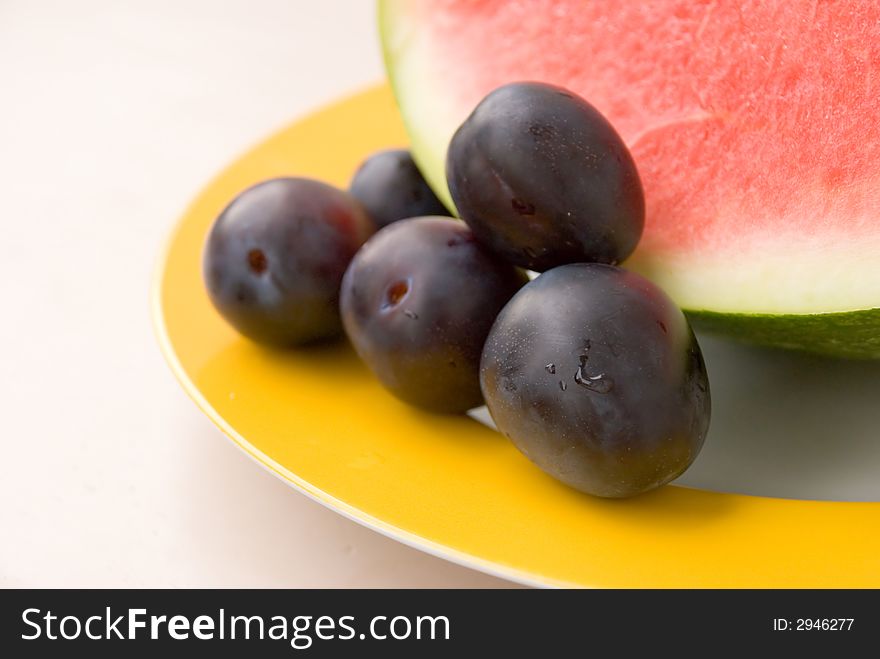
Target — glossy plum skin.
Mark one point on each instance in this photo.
(275, 257)
(390, 187)
(418, 301)
(543, 179)
(596, 376)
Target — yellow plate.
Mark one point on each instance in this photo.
(451, 486)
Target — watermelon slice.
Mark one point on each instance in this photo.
(755, 127)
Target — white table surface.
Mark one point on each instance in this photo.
(113, 114)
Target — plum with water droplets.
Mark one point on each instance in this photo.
(596, 376)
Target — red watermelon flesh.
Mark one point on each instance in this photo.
(755, 127)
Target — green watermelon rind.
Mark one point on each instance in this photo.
(846, 334)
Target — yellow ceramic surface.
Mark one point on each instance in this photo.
(451, 486)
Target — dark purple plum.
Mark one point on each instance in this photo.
(391, 188)
(418, 301)
(276, 255)
(543, 179)
(596, 376)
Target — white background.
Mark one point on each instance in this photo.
(113, 114)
